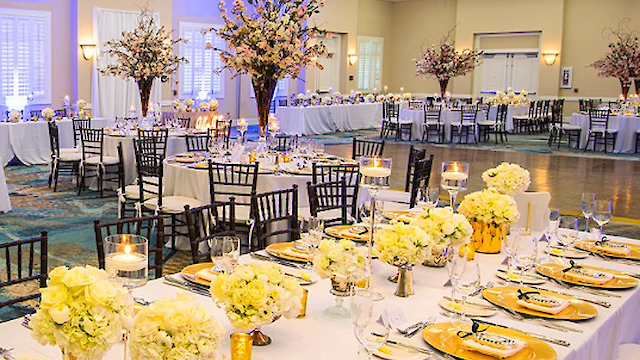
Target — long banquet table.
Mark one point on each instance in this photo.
(29, 140)
(627, 125)
(319, 337)
(416, 117)
(322, 119)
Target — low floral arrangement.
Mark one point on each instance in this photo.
(175, 328)
(301, 96)
(327, 100)
(444, 227)
(188, 102)
(489, 206)
(337, 95)
(82, 312)
(15, 116)
(256, 294)
(213, 105)
(81, 104)
(370, 98)
(204, 106)
(380, 98)
(402, 244)
(509, 98)
(343, 259)
(507, 178)
(48, 114)
(407, 97)
(177, 104)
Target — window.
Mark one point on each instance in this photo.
(198, 78)
(369, 63)
(282, 89)
(25, 57)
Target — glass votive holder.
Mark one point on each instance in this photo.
(303, 303)
(241, 344)
(126, 259)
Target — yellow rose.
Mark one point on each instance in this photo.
(53, 296)
(60, 314)
(100, 293)
(257, 292)
(56, 275)
(77, 278)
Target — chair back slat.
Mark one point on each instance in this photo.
(92, 143)
(207, 222)
(54, 140)
(78, 125)
(233, 180)
(154, 140)
(414, 155)
(350, 173)
(269, 211)
(327, 196)
(198, 142)
(285, 142)
(421, 177)
(432, 114)
(18, 275)
(599, 119)
(367, 148)
(183, 122)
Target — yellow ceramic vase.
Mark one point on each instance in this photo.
(487, 238)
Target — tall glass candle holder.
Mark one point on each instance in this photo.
(454, 179)
(375, 175)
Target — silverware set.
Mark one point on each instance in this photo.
(5, 353)
(196, 289)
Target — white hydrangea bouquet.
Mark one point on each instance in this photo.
(402, 244)
(342, 259)
(255, 294)
(175, 328)
(370, 98)
(444, 227)
(81, 104)
(177, 104)
(82, 312)
(507, 178)
(48, 114)
(15, 116)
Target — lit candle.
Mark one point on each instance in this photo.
(375, 170)
(402, 90)
(455, 174)
(125, 261)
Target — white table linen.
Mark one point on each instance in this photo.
(315, 120)
(513, 110)
(320, 337)
(5, 203)
(448, 116)
(627, 125)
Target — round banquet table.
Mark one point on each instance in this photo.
(627, 125)
(512, 110)
(416, 116)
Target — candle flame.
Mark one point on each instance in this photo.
(127, 249)
(455, 167)
(376, 162)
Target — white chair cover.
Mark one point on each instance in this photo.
(539, 209)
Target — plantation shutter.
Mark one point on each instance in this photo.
(199, 77)
(370, 52)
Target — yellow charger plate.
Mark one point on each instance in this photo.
(201, 165)
(589, 245)
(189, 273)
(185, 160)
(400, 215)
(278, 250)
(444, 337)
(506, 297)
(337, 231)
(299, 172)
(619, 281)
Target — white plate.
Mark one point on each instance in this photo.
(568, 253)
(529, 280)
(398, 353)
(470, 309)
(31, 356)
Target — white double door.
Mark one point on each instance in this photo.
(516, 71)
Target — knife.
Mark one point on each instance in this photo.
(539, 336)
(173, 282)
(278, 261)
(410, 347)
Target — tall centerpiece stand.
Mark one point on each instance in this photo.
(454, 179)
(375, 176)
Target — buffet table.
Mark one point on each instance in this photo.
(322, 119)
(627, 125)
(29, 140)
(320, 337)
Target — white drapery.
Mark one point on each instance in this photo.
(112, 95)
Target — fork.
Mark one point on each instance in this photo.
(5, 354)
(430, 321)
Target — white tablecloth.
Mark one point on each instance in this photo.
(416, 116)
(29, 141)
(319, 337)
(513, 110)
(627, 125)
(5, 203)
(313, 120)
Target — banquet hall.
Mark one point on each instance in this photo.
(319, 179)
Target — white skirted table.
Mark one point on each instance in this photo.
(513, 110)
(416, 116)
(320, 337)
(627, 125)
(322, 119)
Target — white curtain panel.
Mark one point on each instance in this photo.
(112, 95)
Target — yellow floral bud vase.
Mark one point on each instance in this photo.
(488, 237)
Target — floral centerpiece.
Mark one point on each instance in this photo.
(204, 106)
(175, 328)
(15, 116)
(188, 103)
(48, 114)
(144, 54)
(213, 105)
(403, 246)
(489, 213)
(256, 294)
(509, 98)
(177, 104)
(380, 98)
(444, 62)
(446, 230)
(82, 312)
(507, 178)
(407, 97)
(271, 40)
(370, 98)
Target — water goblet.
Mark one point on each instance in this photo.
(371, 334)
(225, 251)
(587, 203)
(525, 253)
(465, 278)
(602, 214)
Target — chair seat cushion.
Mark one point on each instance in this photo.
(106, 160)
(601, 131)
(487, 123)
(432, 123)
(133, 192)
(70, 150)
(70, 157)
(571, 127)
(520, 118)
(394, 196)
(172, 204)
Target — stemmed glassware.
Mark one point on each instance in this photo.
(602, 214)
(371, 334)
(428, 196)
(312, 230)
(525, 253)
(554, 218)
(225, 253)
(568, 232)
(465, 277)
(454, 179)
(375, 176)
(588, 200)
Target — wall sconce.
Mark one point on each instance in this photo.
(550, 58)
(88, 51)
(353, 59)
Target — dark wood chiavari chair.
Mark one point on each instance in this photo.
(198, 142)
(599, 131)
(35, 114)
(285, 142)
(274, 213)
(183, 122)
(207, 222)
(329, 198)
(366, 148)
(414, 155)
(466, 125)
(433, 124)
(61, 113)
(421, 178)
(157, 138)
(105, 168)
(149, 227)
(65, 163)
(351, 175)
(390, 119)
(78, 125)
(21, 268)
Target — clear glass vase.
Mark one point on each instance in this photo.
(341, 289)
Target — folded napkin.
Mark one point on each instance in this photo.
(206, 274)
(292, 252)
(497, 346)
(405, 218)
(613, 248)
(588, 276)
(350, 233)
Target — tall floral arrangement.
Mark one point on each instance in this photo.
(507, 178)
(443, 62)
(622, 60)
(82, 312)
(268, 42)
(144, 54)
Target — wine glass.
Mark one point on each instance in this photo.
(454, 179)
(568, 232)
(371, 334)
(525, 253)
(312, 228)
(465, 278)
(587, 207)
(554, 218)
(602, 214)
(225, 251)
(428, 196)
(515, 233)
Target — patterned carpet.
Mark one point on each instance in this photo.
(69, 218)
